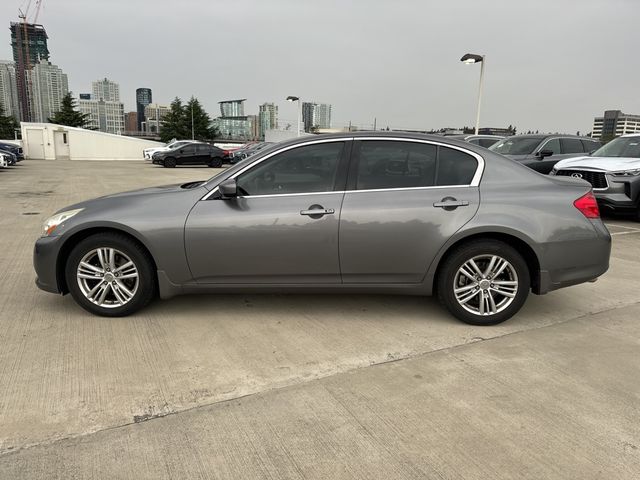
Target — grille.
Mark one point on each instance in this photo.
(596, 179)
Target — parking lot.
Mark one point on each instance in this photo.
(276, 386)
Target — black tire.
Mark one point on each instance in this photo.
(448, 275)
(215, 162)
(146, 286)
(169, 162)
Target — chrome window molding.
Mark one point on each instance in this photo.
(475, 181)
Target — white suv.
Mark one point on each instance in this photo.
(614, 172)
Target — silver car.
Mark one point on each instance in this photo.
(353, 213)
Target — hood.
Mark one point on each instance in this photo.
(142, 194)
(607, 164)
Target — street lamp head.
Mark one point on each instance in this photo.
(472, 58)
(291, 98)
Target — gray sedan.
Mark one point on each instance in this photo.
(353, 213)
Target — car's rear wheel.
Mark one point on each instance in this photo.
(169, 162)
(110, 274)
(484, 282)
(215, 162)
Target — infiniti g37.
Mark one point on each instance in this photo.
(357, 213)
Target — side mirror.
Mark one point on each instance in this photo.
(228, 189)
(545, 153)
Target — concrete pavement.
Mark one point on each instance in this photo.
(552, 393)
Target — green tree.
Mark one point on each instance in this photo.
(173, 123)
(8, 125)
(68, 115)
(195, 113)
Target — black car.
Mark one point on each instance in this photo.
(542, 152)
(190, 154)
(13, 149)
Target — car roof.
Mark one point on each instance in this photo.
(550, 135)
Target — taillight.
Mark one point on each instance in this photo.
(588, 206)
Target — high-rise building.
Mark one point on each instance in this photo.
(49, 85)
(615, 123)
(29, 45)
(131, 122)
(9, 89)
(106, 90)
(143, 98)
(154, 115)
(267, 118)
(104, 116)
(232, 108)
(316, 115)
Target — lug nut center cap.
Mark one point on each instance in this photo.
(108, 277)
(484, 284)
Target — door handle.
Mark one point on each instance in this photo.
(318, 212)
(450, 203)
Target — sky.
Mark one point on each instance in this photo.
(551, 65)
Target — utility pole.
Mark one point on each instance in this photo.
(192, 134)
(375, 123)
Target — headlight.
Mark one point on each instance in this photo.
(554, 170)
(627, 173)
(52, 222)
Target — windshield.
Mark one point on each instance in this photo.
(515, 146)
(620, 147)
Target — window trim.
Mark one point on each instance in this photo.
(545, 144)
(347, 154)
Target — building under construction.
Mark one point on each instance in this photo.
(29, 44)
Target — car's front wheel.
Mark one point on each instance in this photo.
(110, 274)
(484, 282)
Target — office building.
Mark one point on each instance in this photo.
(49, 85)
(106, 90)
(131, 122)
(234, 128)
(9, 90)
(29, 46)
(232, 108)
(154, 115)
(143, 98)
(316, 115)
(267, 118)
(104, 116)
(614, 123)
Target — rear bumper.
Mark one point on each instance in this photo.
(586, 260)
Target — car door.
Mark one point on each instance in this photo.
(544, 165)
(187, 154)
(283, 226)
(404, 200)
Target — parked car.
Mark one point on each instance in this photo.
(614, 172)
(11, 159)
(190, 154)
(542, 152)
(483, 140)
(148, 152)
(13, 149)
(4, 160)
(360, 212)
(247, 151)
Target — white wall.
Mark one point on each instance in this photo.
(276, 136)
(83, 144)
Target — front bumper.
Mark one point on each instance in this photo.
(45, 261)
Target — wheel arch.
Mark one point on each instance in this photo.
(80, 235)
(522, 246)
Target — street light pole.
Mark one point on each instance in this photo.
(192, 134)
(470, 58)
(292, 98)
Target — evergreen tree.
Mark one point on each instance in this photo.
(202, 129)
(8, 125)
(173, 124)
(68, 115)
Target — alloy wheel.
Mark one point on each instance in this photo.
(107, 277)
(485, 285)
